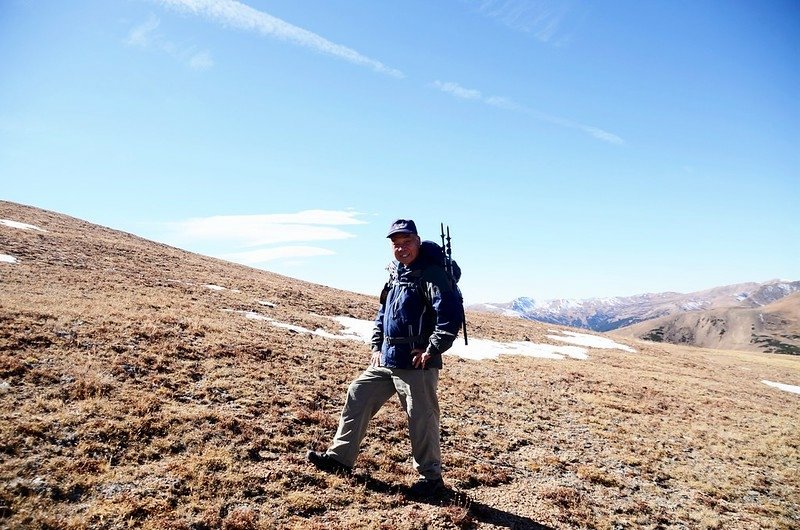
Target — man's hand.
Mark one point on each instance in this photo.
(376, 359)
(419, 357)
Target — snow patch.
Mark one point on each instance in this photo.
(693, 305)
(220, 288)
(782, 386)
(265, 303)
(356, 328)
(348, 335)
(5, 258)
(590, 341)
(21, 226)
(478, 349)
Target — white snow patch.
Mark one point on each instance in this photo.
(590, 341)
(251, 315)
(782, 386)
(348, 335)
(265, 303)
(479, 349)
(356, 328)
(21, 226)
(5, 258)
(220, 288)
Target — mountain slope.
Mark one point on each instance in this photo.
(606, 314)
(773, 328)
(142, 386)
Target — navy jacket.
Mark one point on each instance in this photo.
(420, 309)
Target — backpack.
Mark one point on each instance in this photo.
(435, 256)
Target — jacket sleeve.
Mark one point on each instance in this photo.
(446, 303)
(377, 330)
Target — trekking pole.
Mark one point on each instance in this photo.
(447, 258)
(448, 261)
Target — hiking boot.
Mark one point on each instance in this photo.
(325, 462)
(427, 487)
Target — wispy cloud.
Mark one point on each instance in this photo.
(264, 255)
(254, 230)
(201, 61)
(231, 13)
(146, 36)
(143, 34)
(550, 21)
(266, 237)
(504, 103)
(457, 90)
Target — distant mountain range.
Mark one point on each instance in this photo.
(772, 328)
(742, 311)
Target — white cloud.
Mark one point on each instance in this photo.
(600, 134)
(254, 239)
(457, 90)
(596, 132)
(504, 103)
(201, 61)
(547, 20)
(146, 36)
(243, 17)
(263, 255)
(143, 34)
(255, 230)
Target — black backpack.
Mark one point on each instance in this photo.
(434, 256)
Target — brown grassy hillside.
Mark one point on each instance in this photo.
(773, 328)
(132, 399)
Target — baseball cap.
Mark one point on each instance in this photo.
(402, 226)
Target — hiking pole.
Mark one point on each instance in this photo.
(448, 263)
(448, 266)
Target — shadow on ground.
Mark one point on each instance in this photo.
(479, 511)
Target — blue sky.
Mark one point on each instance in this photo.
(576, 149)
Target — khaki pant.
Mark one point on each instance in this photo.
(367, 394)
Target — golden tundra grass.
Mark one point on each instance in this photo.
(131, 399)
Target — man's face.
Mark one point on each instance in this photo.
(405, 247)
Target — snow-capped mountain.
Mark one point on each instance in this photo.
(605, 314)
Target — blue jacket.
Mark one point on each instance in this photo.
(421, 308)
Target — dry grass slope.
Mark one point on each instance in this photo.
(130, 399)
(773, 328)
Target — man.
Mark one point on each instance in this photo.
(418, 320)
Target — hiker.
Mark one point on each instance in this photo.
(420, 315)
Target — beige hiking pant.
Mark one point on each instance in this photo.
(367, 394)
